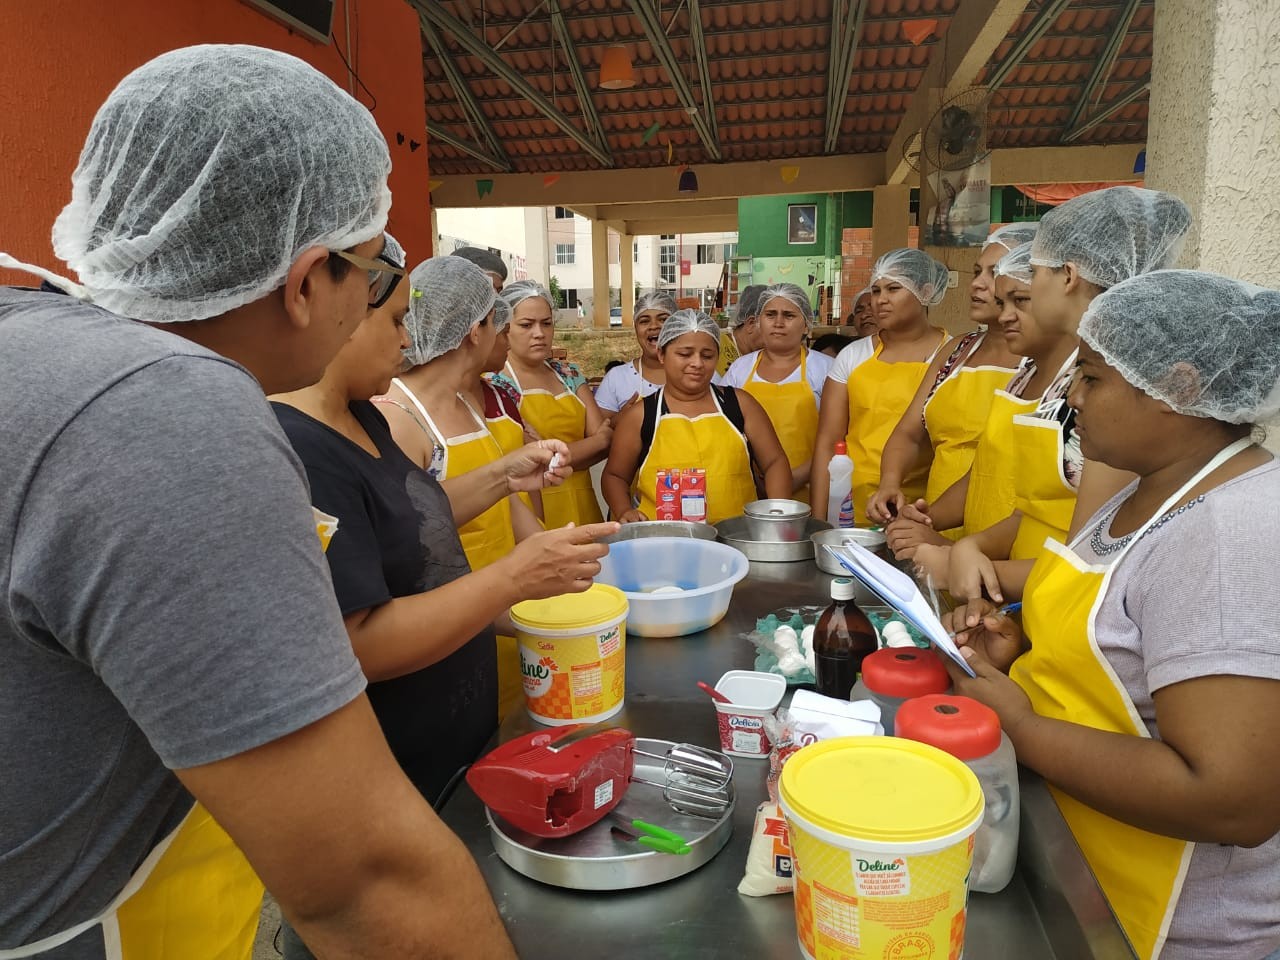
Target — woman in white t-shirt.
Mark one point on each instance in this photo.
(638, 378)
(786, 376)
(1148, 695)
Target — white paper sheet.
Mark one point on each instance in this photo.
(900, 592)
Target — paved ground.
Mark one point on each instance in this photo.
(263, 948)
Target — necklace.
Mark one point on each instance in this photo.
(1101, 548)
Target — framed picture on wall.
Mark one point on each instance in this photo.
(802, 223)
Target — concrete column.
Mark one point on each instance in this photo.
(599, 274)
(1214, 131)
(890, 217)
(626, 253)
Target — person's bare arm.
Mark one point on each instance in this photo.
(529, 468)
(524, 522)
(833, 425)
(594, 446)
(1199, 781)
(771, 459)
(947, 512)
(1098, 484)
(408, 432)
(624, 461)
(408, 633)
(972, 565)
(358, 862)
(902, 449)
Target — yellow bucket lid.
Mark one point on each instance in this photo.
(599, 603)
(881, 789)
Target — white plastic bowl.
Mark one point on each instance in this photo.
(675, 586)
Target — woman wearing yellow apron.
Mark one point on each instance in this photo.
(872, 382)
(1150, 695)
(743, 335)
(950, 408)
(786, 377)
(690, 424)
(556, 401)
(451, 328)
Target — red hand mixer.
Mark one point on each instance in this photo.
(553, 783)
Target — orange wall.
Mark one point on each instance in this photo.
(62, 57)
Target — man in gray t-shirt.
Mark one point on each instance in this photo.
(168, 629)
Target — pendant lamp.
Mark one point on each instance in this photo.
(688, 182)
(616, 71)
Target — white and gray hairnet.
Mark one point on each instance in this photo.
(748, 304)
(486, 260)
(447, 297)
(391, 250)
(657, 300)
(206, 173)
(792, 294)
(688, 321)
(1205, 344)
(514, 294)
(916, 270)
(1011, 235)
(1016, 264)
(1113, 234)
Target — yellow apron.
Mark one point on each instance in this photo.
(561, 416)
(879, 394)
(993, 477)
(793, 411)
(194, 896)
(485, 538)
(1067, 677)
(728, 351)
(708, 441)
(1042, 492)
(955, 416)
(510, 437)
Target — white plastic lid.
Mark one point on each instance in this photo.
(842, 588)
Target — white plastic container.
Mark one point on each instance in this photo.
(755, 696)
(970, 731)
(674, 586)
(839, 492)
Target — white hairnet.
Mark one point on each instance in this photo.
(1016, 264)
(657, 300)
(1113, 234)
(748, 304)
(688, 321)
(392, 250)
(1207, 345)
(206, 173)
(514, 294)
(916, 270)
(447, 297)
(501, 314)
(1011, 235)
(792, 294)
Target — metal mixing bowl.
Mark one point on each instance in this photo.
(662, 528)
(871, 539)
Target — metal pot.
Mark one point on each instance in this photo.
(873, 540)
(776, 520)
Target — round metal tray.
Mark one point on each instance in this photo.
(736, 534)
(596, 859)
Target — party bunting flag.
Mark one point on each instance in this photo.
(484, 188)
(432, 184)
(668, 151)
(651, 133)
(550, 180)
(789, 174)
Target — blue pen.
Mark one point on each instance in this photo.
(1009, 608)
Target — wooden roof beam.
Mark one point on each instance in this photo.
(444, 20)
(1102, 69)
(846, 28)
(975, 32)
(648, 17)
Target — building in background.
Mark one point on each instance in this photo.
(554, 244)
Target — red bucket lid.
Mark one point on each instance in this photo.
(964, 728)
(904, 672)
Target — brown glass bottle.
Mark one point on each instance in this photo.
(841, 640)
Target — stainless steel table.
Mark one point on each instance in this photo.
(1051, 909)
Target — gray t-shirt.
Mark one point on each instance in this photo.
(164, 602)
(1197, 596)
